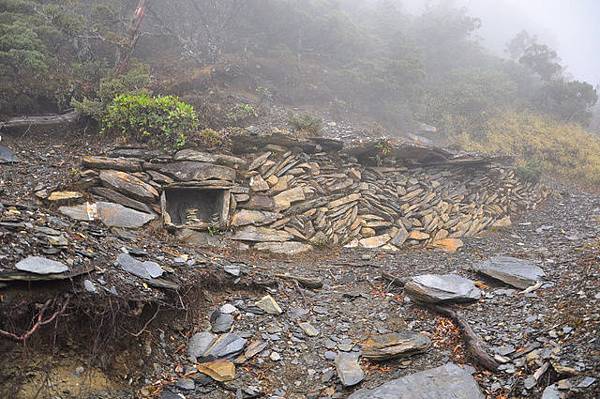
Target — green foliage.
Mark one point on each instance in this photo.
(530, 170)
(210, 137)
(305, 123)
(134, 81)
(242, 112)
(162, 121)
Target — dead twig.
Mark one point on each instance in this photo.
(472, 341)
(146, 324)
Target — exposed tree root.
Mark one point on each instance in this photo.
(40, 319)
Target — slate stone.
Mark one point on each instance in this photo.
(199, 344)
(269, 305)
(261, 234)
(433, 288)
(189, 154)
(112, 215)
(284, 199)
(512, 271)
(40, 265)
(348, 369)
(129, 185)
(146, 270)
(218, 370)
(226, 345)
(246, 217)
(121, 199)
(122, 164)
(400, 237)
(375, 242)
(284, 248)
(60, 197)
(220, 322)
(445, 382)
(6, 155)
(393, 345)
(195, 171)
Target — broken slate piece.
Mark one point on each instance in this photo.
(348, 369)
(512, 271)
(393, 345)
(40, 265)
(445, 382)
(6, 155)
(199, 344)
(220, 322)
(435, 288)
(146, 270)
(269, 305)
(226, 345)
(309, 329)
(219, 370)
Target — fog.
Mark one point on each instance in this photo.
(571, 27)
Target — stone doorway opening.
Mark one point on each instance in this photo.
(198, 208)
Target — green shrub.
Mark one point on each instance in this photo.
(211, 137)
(242, 112)
(162, 121)
(134, 81)
(305, 123)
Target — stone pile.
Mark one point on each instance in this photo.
(288, 199)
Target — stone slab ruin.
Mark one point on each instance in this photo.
(279, 192)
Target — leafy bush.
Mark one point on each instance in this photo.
(540, 144)
(134, 81)
(305, 123)
(242, 112)
(210, 137)
(162, 121)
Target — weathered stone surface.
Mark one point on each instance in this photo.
(259, 203)
(246, 217)
(284, 199)
(445, 382)
(219, 370)
(220, 322)
(284, 248)
(433, 288)
(199, 343)
(112, 215)
(259, 161)
(368, 232)
(129, 185)
(401, 236)
(200, 156)
(119, 198)
(345, 200)
(282, 184)
(261, 234)
(122, 164)
(6, 155)
(348, 369)
(502, 223)
(375, 242)
(195, 171)
(61, 197)
(257, 184)
(389, 346)
(269, 305)
(40, 265)
(146, 270)
(512, 271)
(449, 245)
(225, 345)
(309, 329)
(115, 215)
(418, 235)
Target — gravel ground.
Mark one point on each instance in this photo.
(560, 320)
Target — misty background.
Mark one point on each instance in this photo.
(570, 26)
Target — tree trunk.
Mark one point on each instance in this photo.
(133, 36)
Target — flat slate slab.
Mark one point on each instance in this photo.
(146, 270)
(518, 273)
(6, 155)
(393, 345)
(446, 382)
(441, 288)
(112, 215)
(40, 265)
